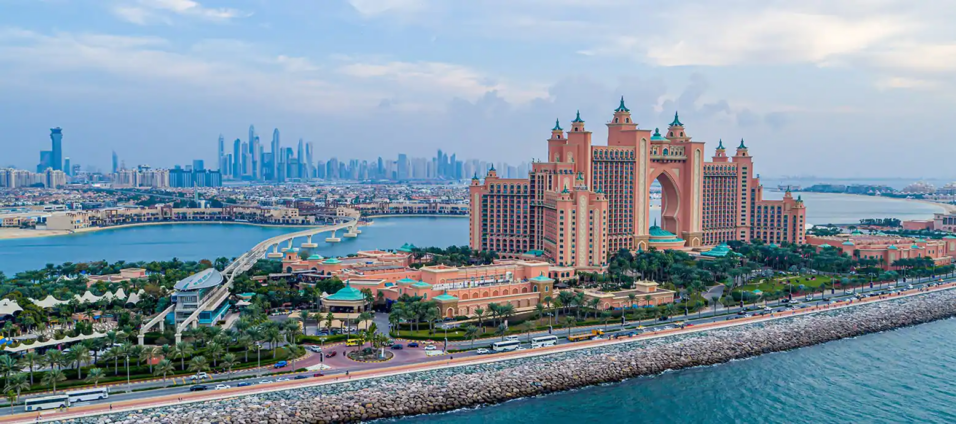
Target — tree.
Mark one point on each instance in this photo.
(31, 359)
(501, 331)
(480, 314)
(569, 322)
(148, 354)
(214, 350)
(94, 376)
(471, 332)
(273, 336)
(8, 366)
(229, 361)
(528, 327)
(198, 364)
(182, 350)
(11, 397)
(164, 367)
(606, 316)
(53, 376)
(17, 383)
(328, 321)
(80, 354)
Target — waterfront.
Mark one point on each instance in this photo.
(897, 376)
(209, 241)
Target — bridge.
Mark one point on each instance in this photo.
(212, 301)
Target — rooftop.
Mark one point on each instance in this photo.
(203, 279)
(347, 293)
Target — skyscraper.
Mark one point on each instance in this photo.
(275, 155)
(66, 166)
(237, 159)
(254, 150)
(309, 149)
(221, 155)
(56, 137)
(198, 165)
(403, 166)
(115, 162)
(301, 159)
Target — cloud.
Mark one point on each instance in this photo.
(145, 12)
(890, 83)
(372, 8)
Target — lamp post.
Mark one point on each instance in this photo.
(128, 388)
(258, 359)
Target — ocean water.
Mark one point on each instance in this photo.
(902, 376)
(209, 241)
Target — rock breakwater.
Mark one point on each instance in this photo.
(480, 384)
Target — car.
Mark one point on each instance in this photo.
(315, 348)
(281, 379)
(318, 374)
(663, 318)
(413, 344)
(198, 388)
(222, 387)
(264, 381)
(524, 348)
(397, 347)
(766, 309)
(244, 384)
(301, 377)
(280, 364)
(482, 351)
(742, 313)
(784, 300)
(431, 347)
(909, 287)
(330, 354)
(199, 376)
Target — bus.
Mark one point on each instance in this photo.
(505, 346)
(89, 394)
(47, 402)
(544, 341)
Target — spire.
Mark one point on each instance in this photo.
(741, 146)
(676, 122)
(655, 222)
(557, 125)
(577, 117)
(565, 189)
(720, 145)
(475, 178)
(622, 108)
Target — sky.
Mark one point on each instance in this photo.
(840, 88)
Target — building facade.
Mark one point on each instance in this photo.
(585, 201)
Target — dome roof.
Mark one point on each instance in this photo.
(657, 136)
(347, 293)
(315, 258)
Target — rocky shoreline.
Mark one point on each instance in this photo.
(464, 386)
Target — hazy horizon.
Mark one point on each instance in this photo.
(819, 88)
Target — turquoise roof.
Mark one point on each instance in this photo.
(475, 177)
(534, 252)
(718, 251)
(848, 243)
(676, 122)
(347, 293)
(541, 278)
(824, 246)
(892, 247)
(914, 247)
(950, 237)
(407, 247)
(315, 258)
(741, 146)
(445, 297)
(657, 136)
(622, 108)
(332, 261)
(656, 231)
(577, 118)
(421, 285)
(557, 126)
(720, 144)
(773, 245)
(407, 281)
(856, 232)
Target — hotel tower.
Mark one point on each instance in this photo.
(586, 202)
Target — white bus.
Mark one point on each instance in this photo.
(46, 403)
(505, 346)
(543, 341)
(511, 338)
(89, 394)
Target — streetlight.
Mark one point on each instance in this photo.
(258, 359)
(128, 388)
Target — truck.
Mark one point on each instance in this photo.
(585, 336)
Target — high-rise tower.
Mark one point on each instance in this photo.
(221, 155)
(56, 138)
(276, 155)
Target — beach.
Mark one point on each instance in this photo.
(20, 233)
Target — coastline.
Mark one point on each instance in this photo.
(16, 233)
(478, 381)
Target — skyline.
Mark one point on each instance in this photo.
(134, 76)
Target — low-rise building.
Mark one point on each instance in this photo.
(888, 249)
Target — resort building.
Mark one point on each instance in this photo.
(195, 291)
(646, 293)
(886, 249)
(586, 201)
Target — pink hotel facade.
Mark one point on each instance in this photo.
(586, 201)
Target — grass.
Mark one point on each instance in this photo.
(778, 283)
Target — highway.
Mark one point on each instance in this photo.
(415, 356)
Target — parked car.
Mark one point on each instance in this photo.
(198, 388)
(482, 351)
(301, 377)
(280, 364)
(397, 346)
(244, 384)
(413, 344)
(222, 387)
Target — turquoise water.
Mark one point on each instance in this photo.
(899, 376)
(209, 241)
(825, 208)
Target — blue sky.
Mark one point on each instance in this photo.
(828, 88)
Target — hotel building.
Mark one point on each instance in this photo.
(586, 201)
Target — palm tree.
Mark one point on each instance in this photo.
(471, 332)
(273, 336)
(214, 350)
(53, 376)
(569, 322)
(501, 330)
(527, 327)
(363, 318)
(292, 348)
(8, 366)
(606, 316)
(480, 313)
(183, 350)
(167, 351)
(198, 364)
(94, 376)
(80, 354)
(31, 359)
(148, 354)
(229, 361)
(328, 321)
(17, 383)
(165, 366)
